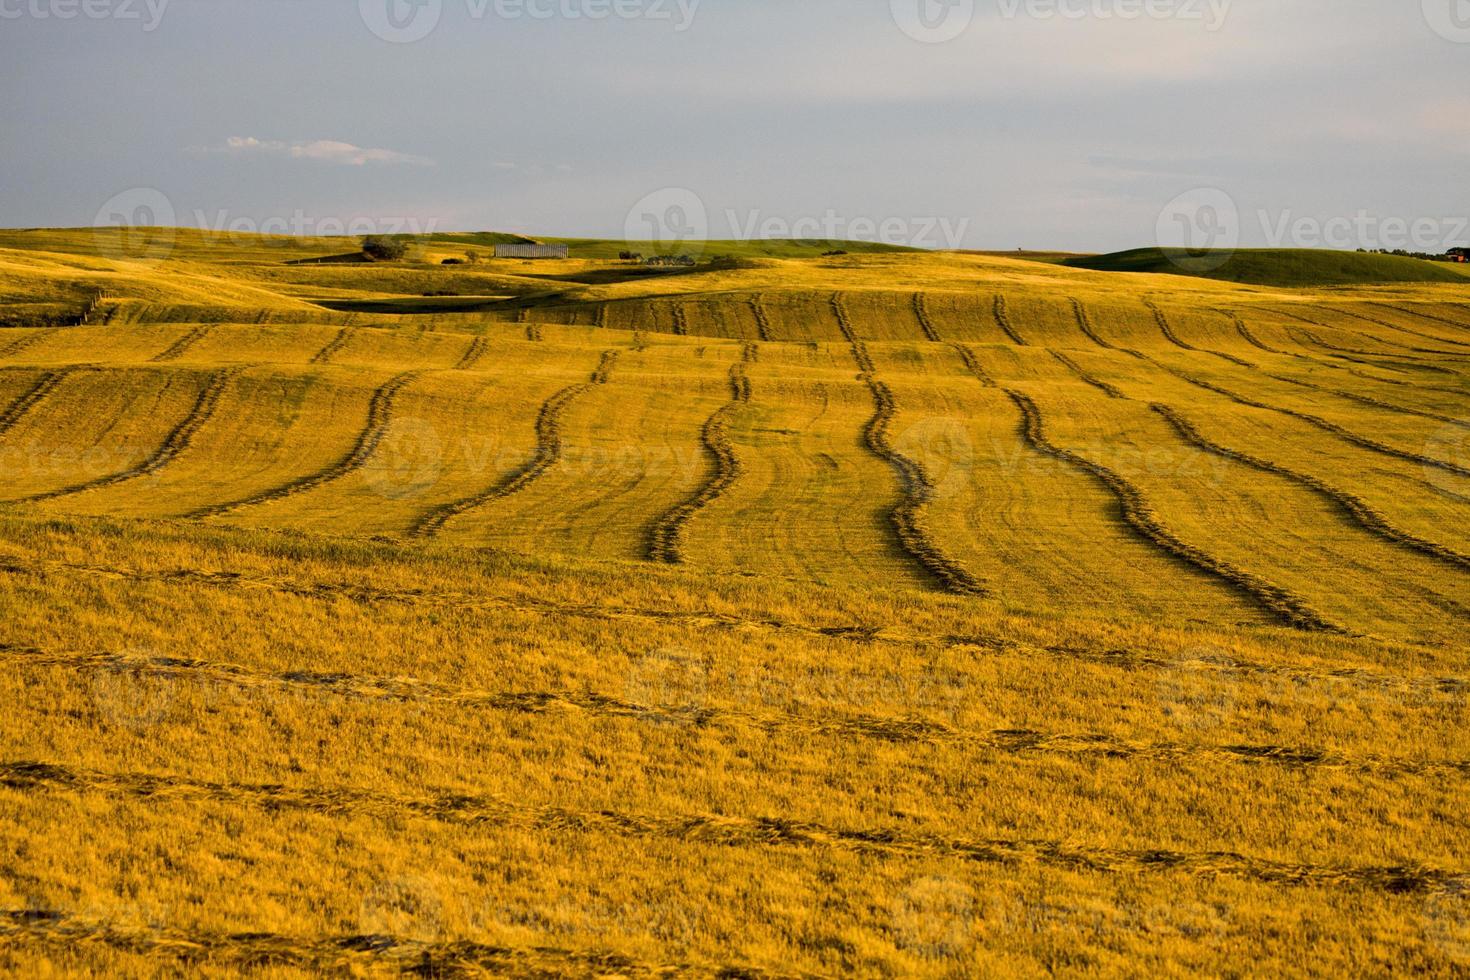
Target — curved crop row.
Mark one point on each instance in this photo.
(1371, 401)
(926, 323)
(181, 346)
(548, 452)
(23, 344)
(1412, 333)
(43, 387)
(666, 539)
(325, 355)
(1167, 328)
(478, 347)
(681, 320)
(1084, 323)
(1140, 515)
(972, 364)
(380, 414)
(762, 318)
(1419, 313)
(918, 492)
(1326, 426)
(1358, 510)
(724, 830)
(1003, 320)
(176, 442)
(1252, 339)
(1112, 391)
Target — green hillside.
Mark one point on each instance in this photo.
(1291, 268)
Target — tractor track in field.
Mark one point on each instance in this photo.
(666, 539)
(798, 724)
(345, 955)
(181, 346)
(380, 416)
(534, 333)
(681, 320)
(1412, 333)
(37, 393)
(461, 809)
(1347, 435)
(916, 486)
(762, 318)
(178, 440)
(1002, 312)
(1358, 511)
(478, 348)
(1327, 348)
(1371, 401)
(1084, 323)
(973, 365)
(604, 312)
(333, 346)
(1253, 340)
(1112, 391)
(1427, 316)
(548, 452)
(1281, 604)
(1409, 350)
(1411, 689)
(23, 344)
(1162, 319)
(926, 322)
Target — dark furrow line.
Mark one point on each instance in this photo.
(346, 955)
(666, 539)
(1412, 333)
(750, 353)
(1112, 391)
(179, 438)
(1314, 341)
(1003, 320)
(547, 454)
(1253, 340)
(477, 350)
(841, 724)
(1167, 328)
(762, 318)
(534, 332)
(1427, 316)
(603, 312)
(916, 487)
(681, 320)
(44, 386)
(23, 344)
(1371, 401)
(972, 364)
(1323, 424)
(181, 346)
(926, 324)
(1411, 350)
(1358, 511)
(370, 597)
(325, 355)
(1173, 338)
(1085, 325)
(719, 831)
(380, 413)
(1284, 606)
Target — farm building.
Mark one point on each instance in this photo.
(1459, 254)
(531, 251)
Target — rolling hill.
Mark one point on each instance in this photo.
(1288, 268)
(893, 613)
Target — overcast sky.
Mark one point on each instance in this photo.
(999, 127)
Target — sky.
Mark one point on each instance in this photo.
(1086, 125)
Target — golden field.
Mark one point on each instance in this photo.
(880, 614)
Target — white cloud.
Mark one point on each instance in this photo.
(322, 151)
